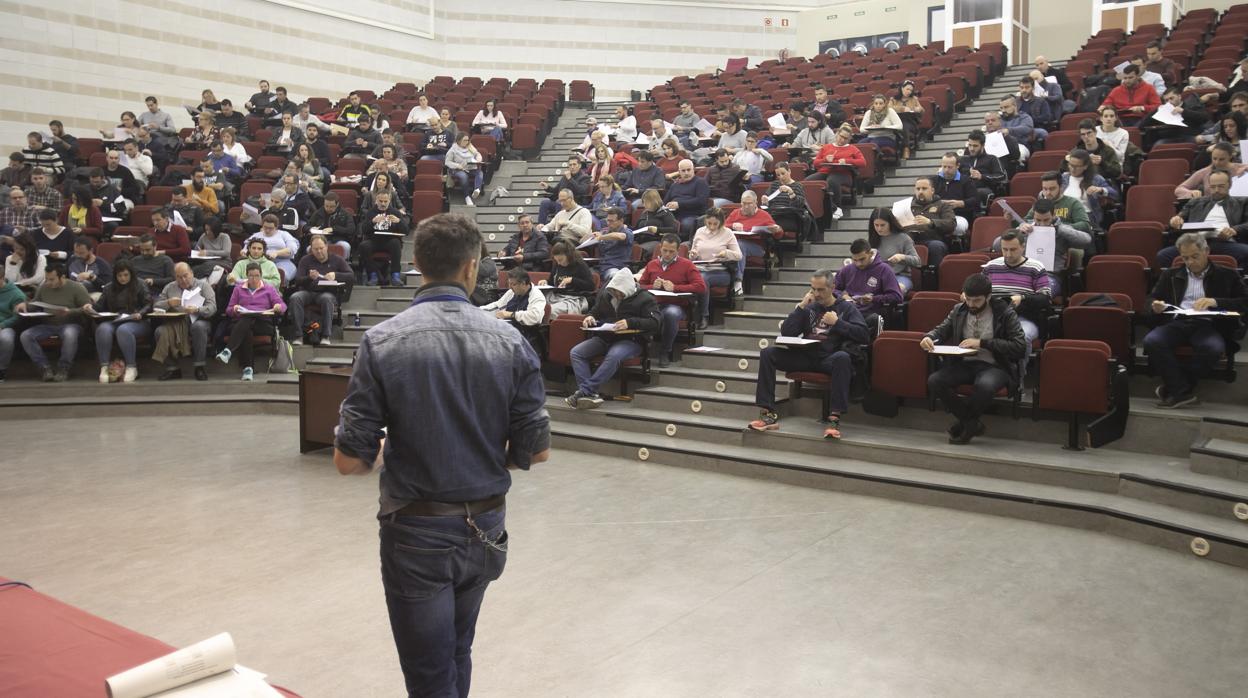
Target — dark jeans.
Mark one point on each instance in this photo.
(590, 381)
(1238, 250)
(391, 245)
(302, 299)
(936, 251)
(546, 210)
(835, 179)
(986, 378)
(435, 571)
(241, 332)
(1207, 345)
(837, 365)
(670, 315)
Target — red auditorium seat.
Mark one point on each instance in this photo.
(926, 309)
(986, 229)
(898, 371)
(1150, 202)
(1103, 323)
(955, 268)
(1127, 274)
(1075, 378)
(1142, 238)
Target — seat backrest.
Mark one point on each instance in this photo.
(1168, 171)
(565, 333)
(955, 268)
(1108, 324)
(987, 229)
(1150, 202)
(1046, 160)
(1020, 204)
(928, 308)
(1025, 184)
(1122, 299)
(1143, 238)
(1074, 376)
(1127, 274)
(899, 365)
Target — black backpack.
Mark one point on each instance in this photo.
(1090, 98)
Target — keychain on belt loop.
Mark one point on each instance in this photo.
(481, 534)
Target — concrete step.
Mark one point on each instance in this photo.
(754, 321)
(737, 339)
(804, 459)
(1220, 457)
(706, 403)
(728, 360)
(709, 380)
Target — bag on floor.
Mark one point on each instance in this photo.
(283, 356)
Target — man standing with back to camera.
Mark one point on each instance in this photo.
(460, 395)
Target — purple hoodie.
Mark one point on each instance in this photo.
(877, 280)
(263, 298)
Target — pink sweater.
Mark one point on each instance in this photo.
(707, 244)
(264, 298)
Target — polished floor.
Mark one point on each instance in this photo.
(624, 579)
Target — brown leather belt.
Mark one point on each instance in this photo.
(424, 507)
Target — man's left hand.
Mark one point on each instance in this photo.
(969, 343)
(830, 318)
(621, 325)
(1204, 304)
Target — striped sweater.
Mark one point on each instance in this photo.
(1027, 278)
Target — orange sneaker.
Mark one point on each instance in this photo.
(767, 420)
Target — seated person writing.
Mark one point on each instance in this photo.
(255, 254)
(714, 242)
(318, 266)
(867, 281)
(615, 245)
(990, 327)
(200, 306)
(527, 248)
(668, 271)
(633, 316)
(65, 322)
(1197, 285)
(247, 302)
(523, 303)
(1225, 215)
(840, 335)
(131, 300)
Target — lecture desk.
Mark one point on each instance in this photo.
(321, 392)
(49, 649)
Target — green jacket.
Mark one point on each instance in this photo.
(10, 297)
(1071, 211)
(268, 271)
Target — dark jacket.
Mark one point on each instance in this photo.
(333, 263)
(372, 139)
(536, 249)
(690, 197)
(1038, 109)
(724, 182)
(582, 278)
(940, 213)
(1197, 210)
(990, 169)
(961, 188)
(367, 227)
(578, 184)
(661, 219)
(849, 334)
(341, 222)
(1221, 284)
(641, 311)
(1008, 344)
(641, 180)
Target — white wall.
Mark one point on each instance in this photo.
(862, 18)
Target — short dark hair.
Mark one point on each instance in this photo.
(254, 266)
(1081, 155)
(1224, 147)
(859, 246)
(35, 134)
(616, 211)
(332, 196)
(949, 154)
(645, 155)
(1043, 206)
(1051, 176)
(271, 218)
(1087, 123)
(254, 241)
(977, 285)
(519, 274)
(1153, 44)
(1238, 95)
(57, 123)
(57, 268)
(670, 237)
(716, 213)
(47, 214)
(280, 89)
(226, 103)
(1131, 69)
(17, 155)
(976, 135)
(85, 241)
(163, 212)
(444, 243)
(1011, 235)
(96, 172)
(147, 237)
(718, 153)
(149, 98)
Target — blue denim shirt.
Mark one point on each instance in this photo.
(460, 393)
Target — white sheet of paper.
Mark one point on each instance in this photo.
(702, 350)
(1121, 67)
(104, 315)
(794, 341)
(1051, 79)
(327, 282)
(120, 133)
(642, 139)
(902, 212)
(1167, 114)
(668, 294)
(588, 243)
(948, 350)
(705, 127)
(250, 214)
(1239, 185)
(609, 327)
(1042, 244)
(777, 123)
(109, 219)
(1243, 151)
(35, 314)
(216, 275)
(192, 297)
(1018, 220)
(200, 254)
(201, 660)
(1199, 225)
(246, 311)
(995, 144)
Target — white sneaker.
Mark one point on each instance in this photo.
(131, 375)
(325, 342)
(837, 214)
(738, 289)
(298, 342)
(104, 374)
(468, 201)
